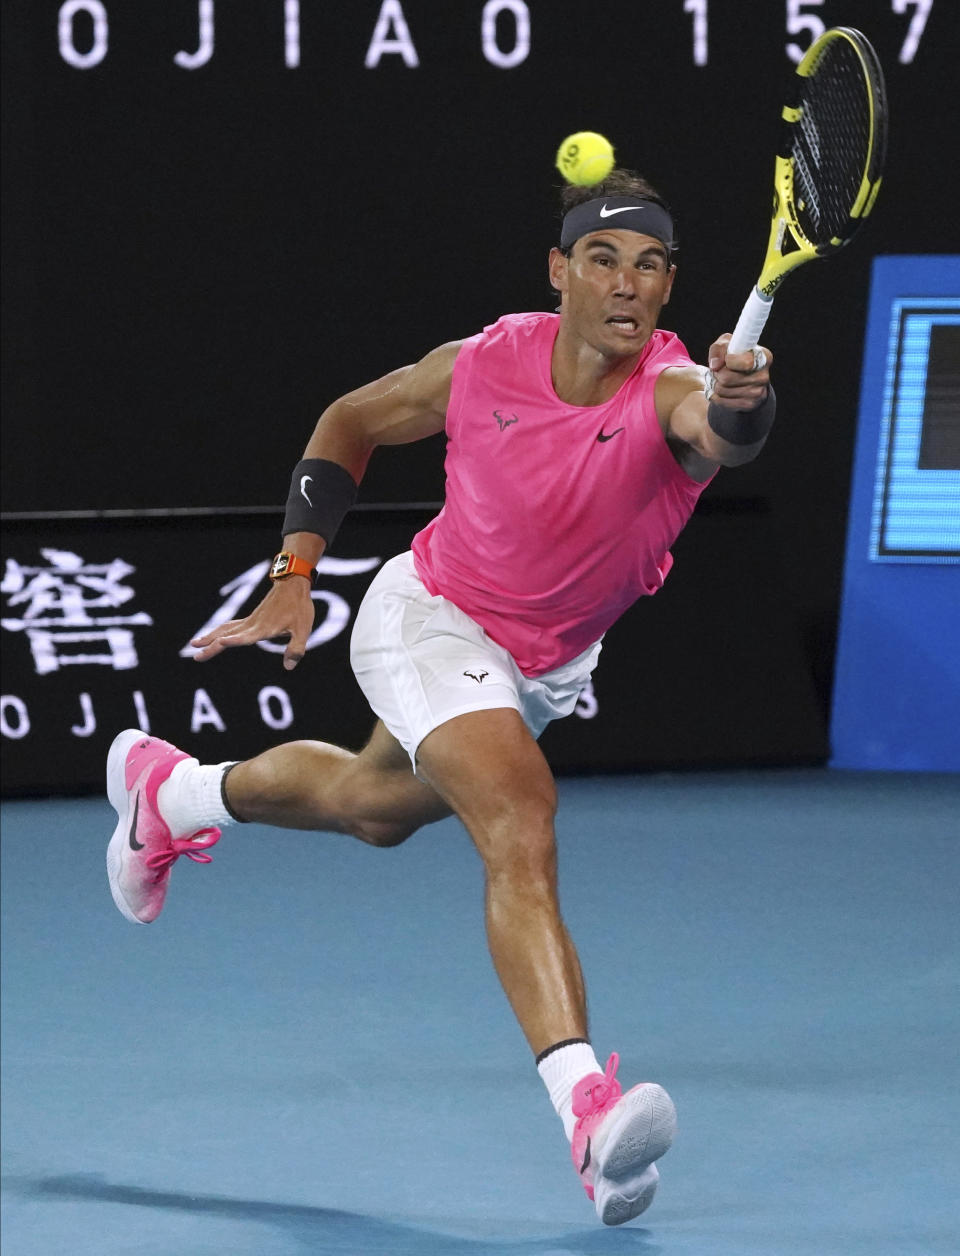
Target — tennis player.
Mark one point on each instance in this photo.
(578, 443)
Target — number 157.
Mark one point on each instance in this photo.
(800, 19)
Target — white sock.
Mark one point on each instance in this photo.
(191, 798)
(561, 1070)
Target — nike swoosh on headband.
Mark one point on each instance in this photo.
(623, 209)
(303, 487)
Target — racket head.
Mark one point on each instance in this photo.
(831, 152)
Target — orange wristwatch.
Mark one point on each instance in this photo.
(286, 564)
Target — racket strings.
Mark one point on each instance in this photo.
(831, 144)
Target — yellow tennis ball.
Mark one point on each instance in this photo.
(585, 158)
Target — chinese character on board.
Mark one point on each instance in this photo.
(66, 609)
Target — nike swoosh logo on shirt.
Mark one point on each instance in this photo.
(622, 209)
(603, 436)
(134, 844)
(304, 480)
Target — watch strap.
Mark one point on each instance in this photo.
(286, 564)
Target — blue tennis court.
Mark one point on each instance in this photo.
(309, 1051)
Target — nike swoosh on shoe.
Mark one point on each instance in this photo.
(134, 844)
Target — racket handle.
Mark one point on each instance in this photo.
(751, 323)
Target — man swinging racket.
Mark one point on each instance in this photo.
(578, 443)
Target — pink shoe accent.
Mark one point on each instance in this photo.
(151, 750)
(142, 850)
(189, 846)
(593, 1097)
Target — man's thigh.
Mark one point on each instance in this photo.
(487, 766)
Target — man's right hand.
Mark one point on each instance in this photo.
(286, 611)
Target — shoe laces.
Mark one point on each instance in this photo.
(596, 1093)
(193, 847)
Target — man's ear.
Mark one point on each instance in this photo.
(671, 275)
(557, 266)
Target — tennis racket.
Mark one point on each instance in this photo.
(828, 167)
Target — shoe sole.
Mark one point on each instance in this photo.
(638, 1136)
(119, 797)
(617, 1202)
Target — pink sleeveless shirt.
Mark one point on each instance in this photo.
(557, 517)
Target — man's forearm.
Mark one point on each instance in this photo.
(339, 438)
(324, 483)
(321, 493)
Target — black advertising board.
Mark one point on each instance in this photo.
(218, 218)
(98, 616)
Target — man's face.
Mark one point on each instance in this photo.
(613, 286)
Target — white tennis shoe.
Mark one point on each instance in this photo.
(142, 849)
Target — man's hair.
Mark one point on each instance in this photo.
(619, 182)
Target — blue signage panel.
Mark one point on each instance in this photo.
(916, 510)
(897, 687)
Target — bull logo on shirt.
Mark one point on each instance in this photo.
(504, 422)
(479, 677)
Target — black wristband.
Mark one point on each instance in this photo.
(743, 427)
(321, 493)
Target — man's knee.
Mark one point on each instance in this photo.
(382, 804)
(383, 833)
(517, 841)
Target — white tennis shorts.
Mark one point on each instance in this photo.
(420, 661)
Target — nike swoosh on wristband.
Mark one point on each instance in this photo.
(134, 844)
(622, 209)
(303, 490)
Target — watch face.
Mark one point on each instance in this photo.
(280, 565)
